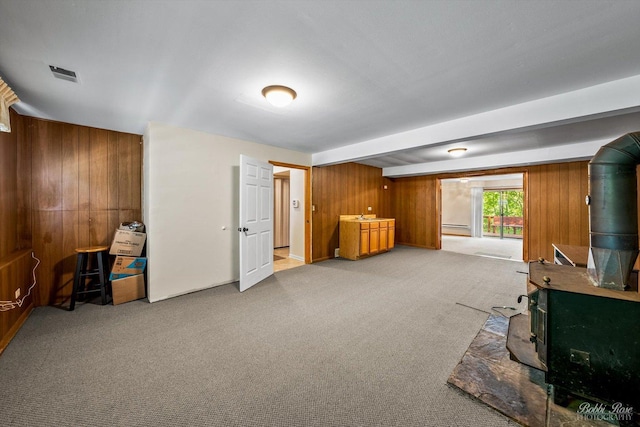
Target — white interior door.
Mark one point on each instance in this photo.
(256, 221)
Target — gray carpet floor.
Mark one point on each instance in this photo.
(338, 343)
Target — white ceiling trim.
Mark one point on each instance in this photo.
(582, 151)
(587, 103)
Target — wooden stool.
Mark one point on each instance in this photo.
(79, 279)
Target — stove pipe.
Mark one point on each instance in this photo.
(613, 212)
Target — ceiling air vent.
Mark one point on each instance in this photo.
(63, 74)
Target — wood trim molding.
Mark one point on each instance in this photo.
(288, 165)
(307, 205)
(478, 173)
(439, 213)
(525, 220)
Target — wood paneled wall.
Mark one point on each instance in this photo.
(15, 259)
(344, 189)
(555, 202)
(557, 209)
(76, 184)
(416, 212)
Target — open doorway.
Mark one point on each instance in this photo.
(484, 215)
(291, 238)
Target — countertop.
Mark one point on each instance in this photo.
(367, 219)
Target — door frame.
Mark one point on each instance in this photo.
(525, 213)
(307, 205)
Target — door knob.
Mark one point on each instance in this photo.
(243, 229)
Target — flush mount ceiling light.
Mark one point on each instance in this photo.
(457, 152)
(279, 96)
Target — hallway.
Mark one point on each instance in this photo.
(281, 260)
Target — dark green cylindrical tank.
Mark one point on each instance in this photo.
(613, 212)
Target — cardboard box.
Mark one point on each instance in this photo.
(128, 289)
(127, 243)
(126, 266)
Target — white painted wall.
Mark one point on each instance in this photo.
(296, 238)
(456, 208)
(191, 182)
(456, 202)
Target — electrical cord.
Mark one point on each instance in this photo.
(10, 305)
(497, 309)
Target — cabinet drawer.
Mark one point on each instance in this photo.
(375, 224)
(364, 226)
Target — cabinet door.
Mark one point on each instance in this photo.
(374, 240)
(383, 236)
(391, 235)
(364, 242)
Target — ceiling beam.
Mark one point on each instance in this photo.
(569, 152)
(601, 100)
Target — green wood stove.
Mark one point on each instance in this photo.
(587, 337)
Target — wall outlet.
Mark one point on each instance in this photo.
(336, 253)
(17, 293)
(369, 208)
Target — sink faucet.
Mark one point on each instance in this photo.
(361, 216)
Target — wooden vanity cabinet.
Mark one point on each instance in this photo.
(360, 238)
